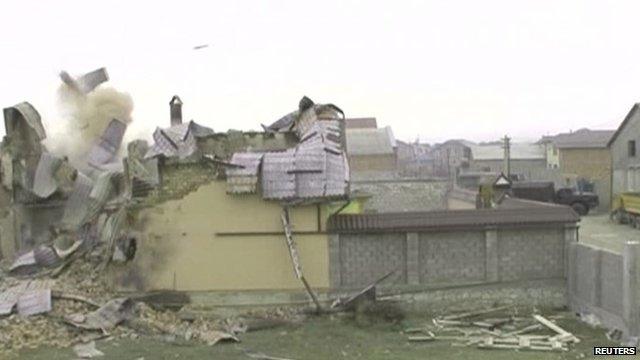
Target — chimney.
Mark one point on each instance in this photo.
(176, 110)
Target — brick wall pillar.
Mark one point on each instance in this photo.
(631, 287)
(335, 279)
(491, 254)
(413, 261)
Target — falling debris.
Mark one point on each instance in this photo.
(87, 82)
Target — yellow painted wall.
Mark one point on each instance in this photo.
(181, 246)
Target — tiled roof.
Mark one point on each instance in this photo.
(177, 141)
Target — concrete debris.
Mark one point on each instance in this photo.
(87, 351)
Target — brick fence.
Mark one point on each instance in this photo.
(482, 246)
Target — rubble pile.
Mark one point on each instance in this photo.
(84, 309)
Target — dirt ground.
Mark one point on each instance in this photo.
(333, 337)
(598, 230)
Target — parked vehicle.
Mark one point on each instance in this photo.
(580, 201)
(625, 209)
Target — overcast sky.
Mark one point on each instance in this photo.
(438, 69)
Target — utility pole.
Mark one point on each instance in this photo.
(506, 145)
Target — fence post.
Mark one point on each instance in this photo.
(413, 259)
(631, 287)
(491, 254)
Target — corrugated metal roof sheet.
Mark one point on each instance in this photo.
(77, 205)
(28, 113)
(177, 141)
(316, 168)
(244, 178)
(9, 298)
(439, 220)
(44, 183)
(106, 149)
(36, 301)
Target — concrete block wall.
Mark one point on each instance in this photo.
(451, 256)
(463, 256)
(370, 257)
(606, 284)
(530, 253)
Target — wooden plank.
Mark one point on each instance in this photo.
(474, 313)
(293, 252)
(564, 335)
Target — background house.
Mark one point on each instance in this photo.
(551, 151)
(526, 159)
(451, 157)
(584, 155)
(361, 123)
(372, 152)
(624, 153)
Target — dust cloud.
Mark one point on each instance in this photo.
(85, 117)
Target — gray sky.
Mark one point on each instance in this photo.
(437, 69)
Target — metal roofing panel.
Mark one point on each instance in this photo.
(106, 149)
(89, 81)
(32, 302)
(250, 163)
(44, 183)
(27, 112)
(9, 298)
(78, 202)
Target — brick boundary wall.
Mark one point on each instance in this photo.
(490, 254)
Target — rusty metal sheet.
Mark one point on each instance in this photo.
(36, 301)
